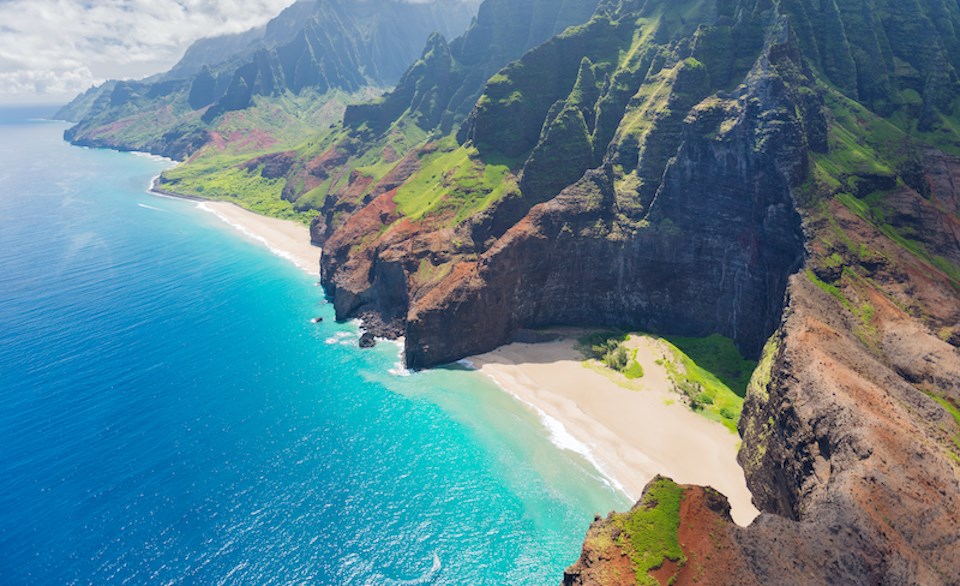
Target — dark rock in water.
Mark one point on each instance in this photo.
(367, 340)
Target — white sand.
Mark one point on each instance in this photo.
(632, 434)
(285, 238)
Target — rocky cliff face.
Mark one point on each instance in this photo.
(849, 453)
(667, 145)
(433, 96)
(851, 432)
(687, 224)
(439, 90)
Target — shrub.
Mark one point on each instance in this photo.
(617, 358)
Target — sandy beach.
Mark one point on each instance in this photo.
(285, 238)
(631, 430)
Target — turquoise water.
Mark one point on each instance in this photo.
(168, 413)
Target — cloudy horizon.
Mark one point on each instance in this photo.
(52, 50)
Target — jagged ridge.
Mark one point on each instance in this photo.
(318, 45)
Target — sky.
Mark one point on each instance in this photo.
(51, 50)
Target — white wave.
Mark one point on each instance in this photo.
(563, 439)
(153, 157)
(149, 207)
(339, 337)
(164, 195)
(399, 368)
(560, 437)
(466, 362)
(153, 185)
(256, 237)
(426, 578)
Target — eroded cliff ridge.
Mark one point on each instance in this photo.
(851, 432)
(634, 171)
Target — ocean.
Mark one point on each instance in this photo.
(170, 415)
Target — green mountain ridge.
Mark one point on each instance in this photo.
(320, 46)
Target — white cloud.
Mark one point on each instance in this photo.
(52, 49)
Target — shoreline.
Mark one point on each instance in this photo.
(628, 434)
(284, 238)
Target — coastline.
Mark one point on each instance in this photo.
(629, 434)
(285, 238)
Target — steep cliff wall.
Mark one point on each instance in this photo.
(439, 90)
(849, 452)
(686, 226)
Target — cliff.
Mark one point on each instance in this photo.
(441, 88)
(669, 146)
(849, 453)
(851, 432)
(683, 219)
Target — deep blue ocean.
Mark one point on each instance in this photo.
(169, 415)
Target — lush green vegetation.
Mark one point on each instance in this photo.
(950, 407)
(863, 166)
(454, 184)
(764, 372)
(613, 355)
(275, 123)
(226, 178)
(634, 369)
(705, 370)
(609, 349)
(828, 288)
(954, 411)
(222, 170)
(649, 532)
(759, 390)
(718, 355)
(706, 393)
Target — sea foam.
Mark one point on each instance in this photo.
(256, 237)
(399, 368)
(563, 439)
